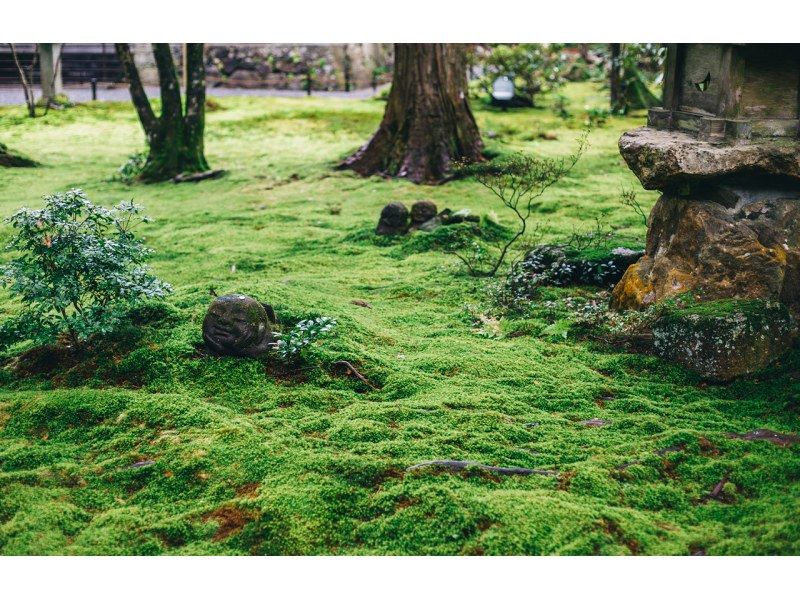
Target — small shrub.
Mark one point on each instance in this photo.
(80, 270)
(128, 172)
(517, 180)
(596, 117)
(290, 346)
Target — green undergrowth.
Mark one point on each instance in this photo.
(145, 444)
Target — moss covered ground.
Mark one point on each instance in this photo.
(233, 457)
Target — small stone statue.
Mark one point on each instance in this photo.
(238, 325)
(421, 212)
(394, 219)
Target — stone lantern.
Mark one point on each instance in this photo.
(725, 152)
(731, 92)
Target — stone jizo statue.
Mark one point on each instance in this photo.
(238, 325)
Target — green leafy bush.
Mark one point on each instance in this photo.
(132, 167)
(534, 68)
(292, 344)
(79, 270)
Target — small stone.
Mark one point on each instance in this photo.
(238, 325)
(722, 340)
(421, 212)
(393, 220)
(462, 215)
(595, 422)
(562, 266)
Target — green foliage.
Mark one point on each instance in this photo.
(132, 168)
(80, 268)
(534, 68)
(290, 346)
(517, 180)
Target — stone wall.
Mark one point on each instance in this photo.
(283, 66)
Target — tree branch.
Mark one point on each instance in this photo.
(147, 117)
(168, 82)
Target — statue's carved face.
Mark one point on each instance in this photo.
(236, 325)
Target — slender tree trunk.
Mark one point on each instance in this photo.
(428, 124)
(615, 80)
(27, 89)
(175, 138)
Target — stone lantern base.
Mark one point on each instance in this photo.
(726, 226)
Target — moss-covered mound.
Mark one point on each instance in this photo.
(725, 339)
(557, 265)
(11, 159)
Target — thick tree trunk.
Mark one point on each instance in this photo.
(175, 138)
(427, 125)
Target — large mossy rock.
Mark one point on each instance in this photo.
(723, 241)
(724, 339)
(239, 326)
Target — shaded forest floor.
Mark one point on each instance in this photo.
(147, 445)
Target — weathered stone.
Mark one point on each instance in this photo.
(238, 325)
(462, 215)
(393, 220)
(742, 243)
(721, 340)
(672, 159)
(422, 211)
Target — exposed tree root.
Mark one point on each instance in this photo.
(350, 370)
(194, 177)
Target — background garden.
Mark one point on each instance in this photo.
(144, 443)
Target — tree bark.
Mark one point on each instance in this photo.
(615, 81)
(175, 138)
(27, 89)
(427, 125)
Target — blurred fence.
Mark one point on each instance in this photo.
(80, 63)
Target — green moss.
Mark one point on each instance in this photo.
(246, 463)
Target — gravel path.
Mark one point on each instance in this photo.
(12, 94)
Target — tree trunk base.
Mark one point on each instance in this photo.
(428, 127)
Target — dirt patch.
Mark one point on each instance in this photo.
(612, 529)
(230, 519)
(248, 490)
(45, 360)
(707, 447)
(565, 480)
